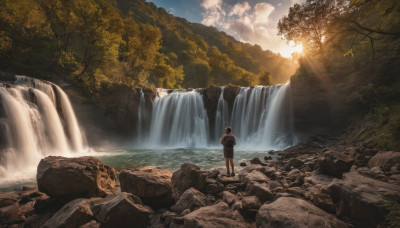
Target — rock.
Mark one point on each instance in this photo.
(261, 190)
(151, 184)
(255, 176)
(121, 210)
(228, 180)
(232, 188)
(189, 175)
(213, 174)
(229, 198)
(323, 201)
(335, 163)
(319, 179)
(370, 152)
(74, 214)
(218, 215)
(255, 161)
(214, 188)
(267, 158)
(293, 212)
(292, 175)
(70, 178)
(91, 224)
(8, 198)
(362, 198)
(190, 199)
(384, 160)
(296, 163)
(250, 206)
(243, 164)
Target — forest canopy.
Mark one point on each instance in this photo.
(98, 42)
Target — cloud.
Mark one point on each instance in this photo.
(211, 4)
(240, 9)
(252, 21)
(262, 12)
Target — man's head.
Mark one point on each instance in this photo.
(228, 130)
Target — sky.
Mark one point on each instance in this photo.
(251, 21)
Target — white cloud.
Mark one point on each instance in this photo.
(250, 24)
(240, 9)
(262, 12)
(211, 4)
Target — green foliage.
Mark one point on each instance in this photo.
(95, 42)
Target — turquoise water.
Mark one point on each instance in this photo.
(172, 159)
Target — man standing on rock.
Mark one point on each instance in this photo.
(228, 141)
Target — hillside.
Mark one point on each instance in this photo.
(97, 43)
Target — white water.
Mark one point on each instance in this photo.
(261, 119)
(221, 116)
(141, 110)
(37, 120)
(179, 120)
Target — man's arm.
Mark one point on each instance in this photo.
(234, 139)
(222, 140)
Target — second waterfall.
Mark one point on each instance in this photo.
(261, 118)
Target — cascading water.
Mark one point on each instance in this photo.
(179, 120)
(262, 117)
(221, 116)
(36, 120)
(141, 110)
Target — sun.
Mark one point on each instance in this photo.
(291, 48)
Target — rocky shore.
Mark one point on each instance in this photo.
(314, 184)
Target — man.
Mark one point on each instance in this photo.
(228, 141)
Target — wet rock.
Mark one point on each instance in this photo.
(293, 212)
(190, 199)
(335, 163)
(213, 174)
(74, 214)
(384, 160)
(255, 161)
(189, 175)
(323, 201)
(214, 188)
(255, 176)
(121, 210)
(296, 163)
(229, 198)
(70, 178)
(91, 224)
(151, 184)
(267, 158)
(8, 198)
(250, 206)
(261, 190)
(243, 164)
(362, 198)
(218, 215)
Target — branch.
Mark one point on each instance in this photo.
(368, 29)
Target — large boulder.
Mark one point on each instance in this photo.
(121, 210)
(71, 178)
(188, 176)
(363, 198)
(261, 190)
(335, 163)
(151, 184)
(384, 160)
(295, 213)
(218, 215)
(254, 176)
(191, 199)
(74, 214)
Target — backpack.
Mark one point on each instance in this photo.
(229, 141)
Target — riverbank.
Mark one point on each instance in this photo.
(319, 182)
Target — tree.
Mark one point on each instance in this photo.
(265, 79)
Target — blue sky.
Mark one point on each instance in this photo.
(251, 21)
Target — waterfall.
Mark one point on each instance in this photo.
(140, 116)
(179, 120)
(36, 120)
(221, 116)
(262, 117)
